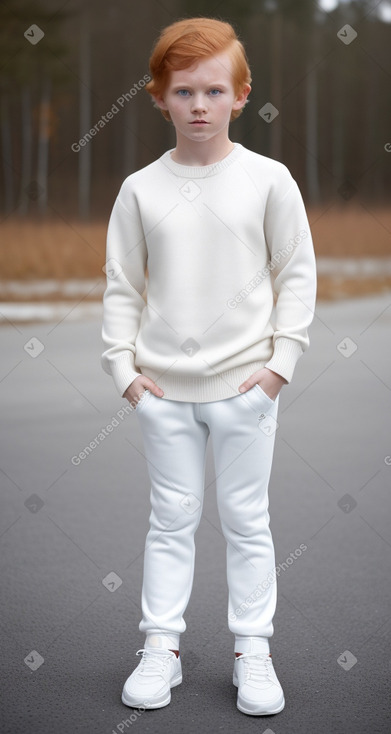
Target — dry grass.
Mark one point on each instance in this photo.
(331, 289)
(51, 249)
(351, 231)
(57, 249)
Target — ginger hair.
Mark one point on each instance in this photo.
(185, 42)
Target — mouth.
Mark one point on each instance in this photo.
(199, 122)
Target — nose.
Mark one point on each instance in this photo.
(198, 103)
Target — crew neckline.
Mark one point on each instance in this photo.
(179, 169)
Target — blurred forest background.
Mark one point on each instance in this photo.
(64, 66)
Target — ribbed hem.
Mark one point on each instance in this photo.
(214, 387)
(203, 389)
(201, 171)
(285, 355)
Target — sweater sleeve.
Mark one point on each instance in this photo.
(123, 303)
(293, 269)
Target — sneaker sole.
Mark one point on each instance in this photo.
(269, 712)
(246, 709)
(151, 703)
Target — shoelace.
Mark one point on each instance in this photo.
(256, 666)
(153, 662)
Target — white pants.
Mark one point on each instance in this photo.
(175, 436)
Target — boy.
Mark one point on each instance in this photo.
(224, 233)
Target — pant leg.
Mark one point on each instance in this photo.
(242, 432)
(175, 448)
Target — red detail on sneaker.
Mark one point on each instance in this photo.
(239, 653)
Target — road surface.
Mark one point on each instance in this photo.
(73, 526)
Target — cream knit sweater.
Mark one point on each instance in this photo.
(231, 280)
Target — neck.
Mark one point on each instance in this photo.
(201, 153)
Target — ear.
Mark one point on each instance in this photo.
(159, 100)
(241, 98)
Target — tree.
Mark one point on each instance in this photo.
(29, 70)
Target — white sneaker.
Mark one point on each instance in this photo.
(259, 690)
(149, 686)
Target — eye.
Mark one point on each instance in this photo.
(183, 92)
(215, 92)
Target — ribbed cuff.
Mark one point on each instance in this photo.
(285, 355)
(123, 372)
(168, 640)
(251, 644)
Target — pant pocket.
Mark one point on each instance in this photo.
(264, 395)
(143, 401)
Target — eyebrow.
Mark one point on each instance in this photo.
(212, 84)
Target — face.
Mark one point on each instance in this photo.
(200, 99)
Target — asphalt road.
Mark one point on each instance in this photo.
(72, 536)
